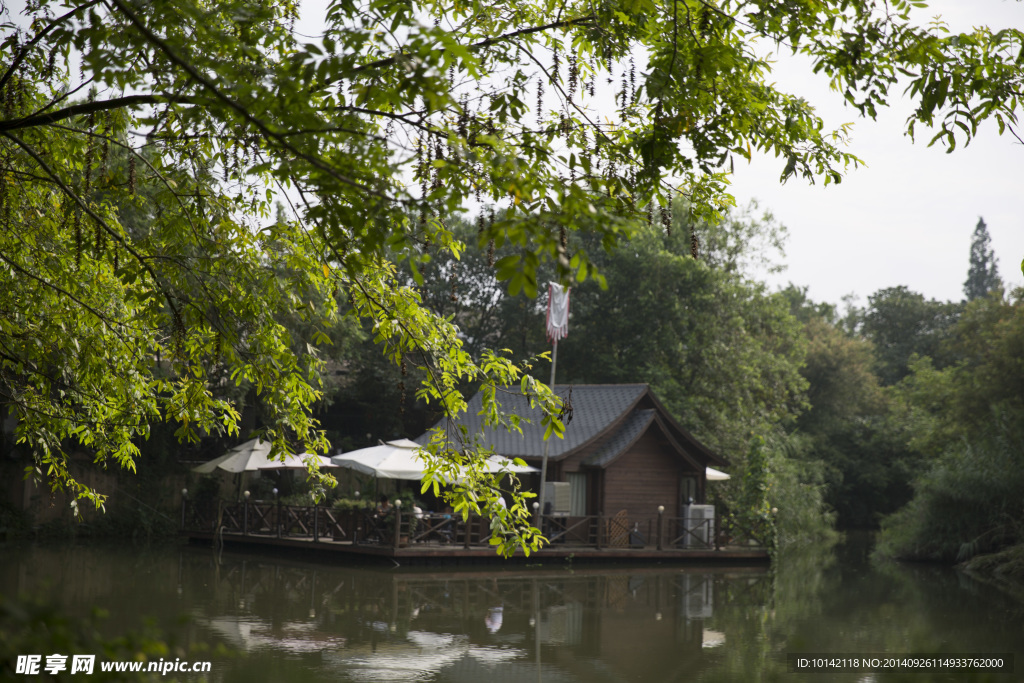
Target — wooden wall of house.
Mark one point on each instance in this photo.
(640, 480)
(643, 478)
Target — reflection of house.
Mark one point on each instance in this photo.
(622, 451)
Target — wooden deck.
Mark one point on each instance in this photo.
(427, 554)
(356, 536)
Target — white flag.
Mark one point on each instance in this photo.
(558, 312)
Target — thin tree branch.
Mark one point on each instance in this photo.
(92, 107)
(388, 61)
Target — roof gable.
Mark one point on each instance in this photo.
(632, 428)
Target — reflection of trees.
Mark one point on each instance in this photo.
(833, 601)
(759, 615)
(570, 624)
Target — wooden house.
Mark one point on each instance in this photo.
(622, 451)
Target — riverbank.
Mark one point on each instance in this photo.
(1004, 569)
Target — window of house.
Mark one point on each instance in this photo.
(577, 493)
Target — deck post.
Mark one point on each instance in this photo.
(398, 521)
(467, 528)
(316, 521)
(597, 531)
(245, 514)
(661, 517)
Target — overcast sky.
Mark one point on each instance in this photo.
(907, 218)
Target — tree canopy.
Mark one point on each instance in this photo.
(195, 116)
(902, 323)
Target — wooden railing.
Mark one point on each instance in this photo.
(400, 528)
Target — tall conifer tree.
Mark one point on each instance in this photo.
(983, 274)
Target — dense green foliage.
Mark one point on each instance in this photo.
(852, 427)
(915, 413)
(968, 419)
(968, 501)
(900, 324)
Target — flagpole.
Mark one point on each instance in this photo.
(544, 460)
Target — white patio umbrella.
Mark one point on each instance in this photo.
(392, 460)
(716, 475)
(255, 455)
(400, 459)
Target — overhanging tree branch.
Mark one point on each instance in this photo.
(579, 21)
(93, 107)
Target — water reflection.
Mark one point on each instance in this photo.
(452, 626)
(316, 622)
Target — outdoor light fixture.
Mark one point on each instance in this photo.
(184, 493)
(357, 494)
(246, 494)
(275, 493)
(398, 503)
(661, 509)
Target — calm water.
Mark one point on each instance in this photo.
(302, 621)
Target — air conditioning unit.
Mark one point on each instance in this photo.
(699, 522)
(697, 596)
(556, 493)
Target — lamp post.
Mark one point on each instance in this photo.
(316, 518)
(277, 517)
(245, 513)
(398, 521)
(661, 517)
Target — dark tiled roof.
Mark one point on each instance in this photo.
(617, 413)
(596, 408)
(631, 430)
